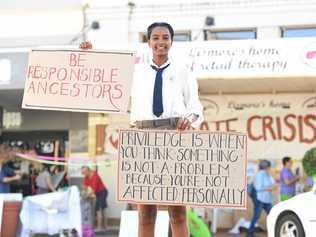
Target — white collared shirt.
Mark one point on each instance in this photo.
(179, 93)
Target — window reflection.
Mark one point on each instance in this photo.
(231, 35)
(299, 32)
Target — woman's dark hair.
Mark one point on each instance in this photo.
(160, 24)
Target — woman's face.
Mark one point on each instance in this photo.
(160, 41)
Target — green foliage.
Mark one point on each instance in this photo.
(309, 162)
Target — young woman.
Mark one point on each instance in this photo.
(164, 91)
(164, 96)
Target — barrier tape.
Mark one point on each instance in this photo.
(66, 163)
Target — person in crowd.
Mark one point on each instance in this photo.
(264, 184)
(287, 180)
(44, 180)
(164, 96)
(7, 174)
(93, 181)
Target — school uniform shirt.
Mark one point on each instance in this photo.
(179, 93)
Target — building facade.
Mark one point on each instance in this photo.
(258, 101)
(206, 25)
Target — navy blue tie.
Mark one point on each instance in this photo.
(157, 97)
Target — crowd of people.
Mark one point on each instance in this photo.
(40, 180)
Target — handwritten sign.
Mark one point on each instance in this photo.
(196, 168)
(76, 80)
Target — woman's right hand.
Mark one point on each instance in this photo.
(85, 45)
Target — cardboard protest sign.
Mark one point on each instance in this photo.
(196, 168)
(77, 80)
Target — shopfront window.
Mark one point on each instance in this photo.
(182, 36)
(230, 35)
(298, 32)
(5, 69)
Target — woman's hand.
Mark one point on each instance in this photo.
(185, 123)
(85, 45)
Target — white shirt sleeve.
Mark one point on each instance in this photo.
(191, 99)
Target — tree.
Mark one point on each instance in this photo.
(309, 162)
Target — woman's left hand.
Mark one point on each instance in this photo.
(185, 123)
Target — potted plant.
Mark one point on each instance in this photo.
(309, 163)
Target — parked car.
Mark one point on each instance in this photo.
(295, 217)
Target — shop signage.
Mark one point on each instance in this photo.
(196, 168)
(76, 80)
(244, 58)
(276, 125)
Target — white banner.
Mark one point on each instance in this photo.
(244, 58)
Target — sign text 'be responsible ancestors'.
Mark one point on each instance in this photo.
(76, 80)
(189, 168)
